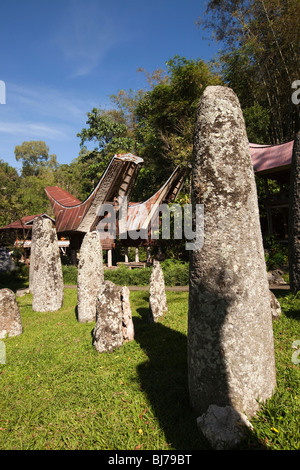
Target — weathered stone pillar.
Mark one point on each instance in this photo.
(10, 318)
(148, 254)
(90, 277)
(114, 324)
(157, 292)
(230, 338)
(126, 255)
(127, 323)
(31, 263)
(47, 280)
(137, 257)
(294, 218)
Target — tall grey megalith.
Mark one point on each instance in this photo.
(46, 272)
(157, 293)
(31, 263)
(10, 318)
(230, 337)
(90, 277)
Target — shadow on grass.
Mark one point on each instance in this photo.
(293, 314)
(164, 380)
(292, 310)
(13, 281)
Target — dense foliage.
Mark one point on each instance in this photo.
(260, 60)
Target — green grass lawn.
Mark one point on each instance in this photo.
(58, 392)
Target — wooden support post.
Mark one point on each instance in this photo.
(109, 258)
(137, 258)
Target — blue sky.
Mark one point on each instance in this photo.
(60, 59)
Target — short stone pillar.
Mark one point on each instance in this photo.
(127, 323)
(31, 262)
(148, 254)
(46, 276)
(10, 318)
(90, 277)
(114, 324)
(157, 292)
(275, 307)
(230, 337)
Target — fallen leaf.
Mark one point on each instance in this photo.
(275, 430)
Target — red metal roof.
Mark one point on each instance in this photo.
(67, 209)
(270, 157)
(25, 222)
(139, 214)
(62, 196)
(72, 214)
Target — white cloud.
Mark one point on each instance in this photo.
(33, 130)
(48, 101)
(85, 36)
(42, 112)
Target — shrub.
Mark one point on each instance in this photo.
(130, 277)
(69, 274)
(16, 279)
(176, 273)
(276, 255)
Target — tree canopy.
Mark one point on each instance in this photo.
(157, 124)
(260, 58)
(35, 157)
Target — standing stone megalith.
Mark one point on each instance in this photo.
(294, 218)
(157, 292)
(127, 323)
(230, 338)
(10, 318)
(90, 276)
(31, 262)
(108, 333)
(47, 281)
(114, 324)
